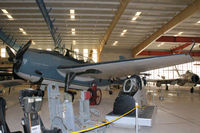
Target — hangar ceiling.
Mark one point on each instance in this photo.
(140, 19)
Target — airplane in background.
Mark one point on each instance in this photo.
(187, 79)
(43, 67)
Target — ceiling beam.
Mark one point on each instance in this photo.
(178, 39)
(186, 13)
(63, 2)
(180, 48)
(161, 53)
(120, 11)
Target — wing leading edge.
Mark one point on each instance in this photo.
(11, 83)
(123, 68)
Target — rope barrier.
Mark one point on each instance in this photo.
(103, 124)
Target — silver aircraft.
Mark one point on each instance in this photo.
(187, 79)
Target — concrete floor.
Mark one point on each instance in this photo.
(179, 111)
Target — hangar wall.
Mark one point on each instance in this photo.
(109, 54)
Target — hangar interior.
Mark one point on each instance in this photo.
(107, 31)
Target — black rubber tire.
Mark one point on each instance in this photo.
(192, 90)
(123, 103)
(95, 97)
(167, 87)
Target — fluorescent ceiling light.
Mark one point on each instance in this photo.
(72, 11)
(73, 29)
(40, 48)
(124, 31)
(138, 13)
(134, 18)
(198, 22)
(21, 29)
(115, 43)
(74, 42)
(24, 32)
(180, 33)
(9, 16)
(72, 16)
(4, 11)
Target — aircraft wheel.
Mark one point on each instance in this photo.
(98, 96)
(192, 90)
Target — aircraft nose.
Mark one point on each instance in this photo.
(195, 78)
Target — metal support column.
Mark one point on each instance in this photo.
(61, 113)
(136, 118)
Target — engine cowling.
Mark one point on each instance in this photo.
(132, 85)
(181, 83)
(158, 84)
(195, 78)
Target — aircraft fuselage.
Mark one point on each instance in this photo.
(38, 63)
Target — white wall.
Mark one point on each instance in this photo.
(109, 54)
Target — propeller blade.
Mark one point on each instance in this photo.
(10, 53)
(23, 49)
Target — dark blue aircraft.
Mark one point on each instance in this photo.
(39, 66)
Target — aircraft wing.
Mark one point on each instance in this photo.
(121, 68)
(10, 83)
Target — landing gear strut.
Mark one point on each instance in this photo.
(167, 87)
(192, 90)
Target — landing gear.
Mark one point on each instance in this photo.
(96, 95)
(167, 87)
(192, 90)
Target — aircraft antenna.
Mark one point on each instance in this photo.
(9, 40)
(56, 37)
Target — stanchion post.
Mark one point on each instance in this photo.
(136, 118)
